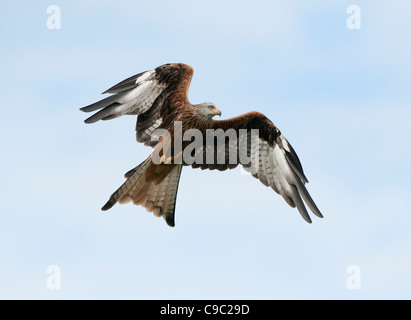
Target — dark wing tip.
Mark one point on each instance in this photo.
(110, 203)
(318, 213)
(89, 120)
(170, 220)
(305, 216)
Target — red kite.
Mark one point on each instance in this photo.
(159, 98)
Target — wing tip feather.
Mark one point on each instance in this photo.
(107, 206)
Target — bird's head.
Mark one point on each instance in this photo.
(208, 109)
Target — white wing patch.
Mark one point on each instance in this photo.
(140, 99)
(136, 99)
(144, 76)
(271, 166)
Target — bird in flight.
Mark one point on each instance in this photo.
(159, 98)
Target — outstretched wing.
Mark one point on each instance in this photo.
(153, 95)
(269, 158)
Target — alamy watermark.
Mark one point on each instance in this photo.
(354, 19)
(54, 279)
(214, 147)
(354, 277)
(54, 18)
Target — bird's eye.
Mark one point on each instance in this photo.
(210, 107)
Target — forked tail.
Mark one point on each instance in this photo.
(142, 189)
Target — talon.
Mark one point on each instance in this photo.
(165, 160)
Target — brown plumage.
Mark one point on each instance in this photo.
(159, 98)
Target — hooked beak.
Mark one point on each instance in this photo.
(217, 112)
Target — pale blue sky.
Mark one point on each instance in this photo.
(341, 97)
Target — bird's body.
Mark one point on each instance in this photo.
(179, 133)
